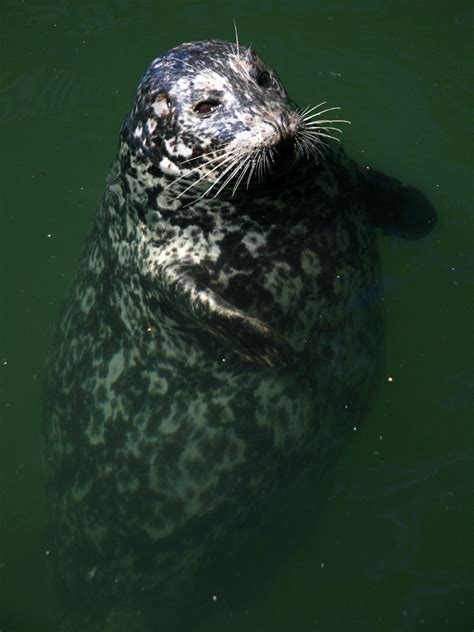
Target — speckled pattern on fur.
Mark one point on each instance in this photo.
(207, 345)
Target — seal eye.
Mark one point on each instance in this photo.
(263, 79)
(206, 107)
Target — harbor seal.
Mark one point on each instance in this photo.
(225, 326)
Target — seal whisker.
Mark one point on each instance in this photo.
(252, 169)
(302, 112)
(181, 177)
(319, 121)
(245, 166)
(324, 127)
(318, 151)
(211, 161)
(315, 151)
(189, 173)
(271, 155)
(196, 181)
(313, 137)
(298, 146)
(267, 161)
(258, 163)
(185, 175)
(222, 162)
(310, 108)
(310, 131)
(232, 175)
(312, 113)
(233, 168)
(234, 160)
(266, 166)
(301, 147)
(313, 144)
(323, 135)
(237, 40)
(307, 117)
(219, 159)
(263, 165)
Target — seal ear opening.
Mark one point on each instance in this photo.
(162, 106)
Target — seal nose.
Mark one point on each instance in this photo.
(285, 119)
(282, 125)
(285, 126)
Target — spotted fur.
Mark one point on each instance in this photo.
(208, 345)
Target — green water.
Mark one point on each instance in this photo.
(386, 543)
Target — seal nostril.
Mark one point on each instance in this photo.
(285, 118)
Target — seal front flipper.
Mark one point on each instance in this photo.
(184, 287)
(397, 208)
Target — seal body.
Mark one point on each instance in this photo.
(224, 328)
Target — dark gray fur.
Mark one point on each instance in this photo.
(207, 346)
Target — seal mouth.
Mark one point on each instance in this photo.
(285, 150)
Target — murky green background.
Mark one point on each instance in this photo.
(386, 543)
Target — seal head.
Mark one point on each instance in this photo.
(203, 97)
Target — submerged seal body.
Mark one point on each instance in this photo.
(225, 325)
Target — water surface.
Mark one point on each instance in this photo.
(386, 537)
